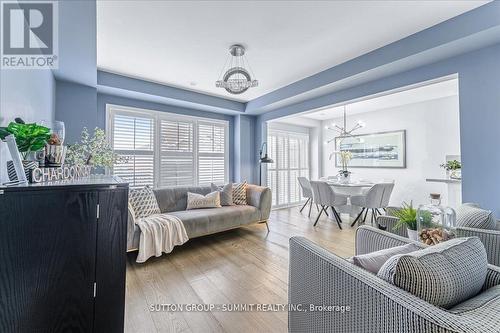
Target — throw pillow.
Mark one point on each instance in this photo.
(444, 274)
(196, 201)
(143, 202)
(471, 216)
(373, 261)
(240, 193)
(226, 193)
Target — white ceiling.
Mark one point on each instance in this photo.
(184, 43)
(415, 95)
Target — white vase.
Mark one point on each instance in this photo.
(344, 178)
(412, 234)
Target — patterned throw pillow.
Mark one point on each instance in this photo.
(445, 274)
(472, 216)
(240, 193)
(143, 202)
(226, 193)
(196, 201)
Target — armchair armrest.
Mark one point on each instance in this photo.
(388, 223)
(261, 198)
(489, 238)
(370, 239)
(318, 277)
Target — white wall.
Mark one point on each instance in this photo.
(432, 132)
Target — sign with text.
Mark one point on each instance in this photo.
(29, 34)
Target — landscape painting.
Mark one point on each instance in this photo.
(375, 150)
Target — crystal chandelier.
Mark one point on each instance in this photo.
(236, 78)
(342, 130)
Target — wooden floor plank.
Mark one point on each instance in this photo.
(244, 266)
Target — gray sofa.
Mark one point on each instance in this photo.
(319, 277)
(201, 222)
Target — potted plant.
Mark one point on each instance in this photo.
(453, 169)
(30, 139)
(94, 151)
(407, 216)
(344, 175)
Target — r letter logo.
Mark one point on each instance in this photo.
(29, 34)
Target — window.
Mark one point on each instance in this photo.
(163, 149)
(290, 152)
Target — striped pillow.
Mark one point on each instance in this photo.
(445, 274)
(472, 216)
(143, 202)
(240, 193)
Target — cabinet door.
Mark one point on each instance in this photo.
(47, 260)
(111, 260)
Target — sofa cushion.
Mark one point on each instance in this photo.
(472, 216)
(240, 193)
(197, 201)
(488, 300)
(373, 261)
(199, 222)
(174, 198)
(143, 202)
(226, 193)
(444, 274)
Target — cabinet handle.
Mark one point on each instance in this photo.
(112, 187)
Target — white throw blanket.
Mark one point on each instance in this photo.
(159, 233)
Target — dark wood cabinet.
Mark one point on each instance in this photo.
(63, 256)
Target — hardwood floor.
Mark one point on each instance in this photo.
(242, 266)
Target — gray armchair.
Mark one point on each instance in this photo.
(489, 238)
(319, 277)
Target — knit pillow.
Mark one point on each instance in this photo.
(196, 201)
(226, 193)
(444, 274)
(472, 216)
(240, 193)
(143, 202)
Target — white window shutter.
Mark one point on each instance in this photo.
(133, 140)
(211, 153)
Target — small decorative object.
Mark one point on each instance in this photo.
(30, 139)
(374, 150)
(436, 223)
(40, 175)
(453, 169)
(15, 168)
(407, 216)
(236, 78)
(55, 151)
(94, 151)
(344, 175)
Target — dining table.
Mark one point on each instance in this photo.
(351, 188)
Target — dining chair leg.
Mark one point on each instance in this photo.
(366, 213)
(325, 211)
(317, 218)
(310, 205)
(358, 217)
(305, 205)
(337, 217)
(317, 208)
(378, 211)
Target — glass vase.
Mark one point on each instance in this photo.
(435, 223)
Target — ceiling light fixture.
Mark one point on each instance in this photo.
(342, 130)
(236, 78)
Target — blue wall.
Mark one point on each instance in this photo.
(479, 89)
(28, 94)
(76, 105)
(103, 99)
(245, 156)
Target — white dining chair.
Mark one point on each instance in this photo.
(325, 197)
(371, 200)
(305, 185)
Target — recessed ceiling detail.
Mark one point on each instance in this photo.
(178, 42)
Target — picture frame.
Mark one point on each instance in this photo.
(374, 150)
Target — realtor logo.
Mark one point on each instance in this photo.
(29, 34)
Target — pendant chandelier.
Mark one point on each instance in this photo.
(235, 76)
(342, 130)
